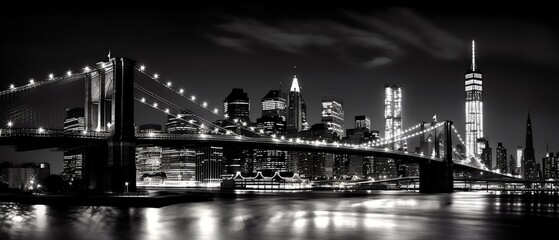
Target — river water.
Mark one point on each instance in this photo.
(300, 215)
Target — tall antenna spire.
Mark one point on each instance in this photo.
(473, 55)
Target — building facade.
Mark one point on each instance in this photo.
(501, 158)
(182, 123)
(550, 166)
(75, 121)
(274, 114)
(73, 165)
(393, 116)
(363, 121)
(209, 164)
(530, 167)
(520, 161)
(333, 115)
(237, 105)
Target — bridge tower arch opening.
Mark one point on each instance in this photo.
(436, 176)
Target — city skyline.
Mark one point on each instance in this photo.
(442, 51)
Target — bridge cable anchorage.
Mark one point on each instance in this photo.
(204, 105)
(32, 83)
(169, 103)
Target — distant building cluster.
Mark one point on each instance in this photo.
(25, 177)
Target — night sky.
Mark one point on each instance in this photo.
(349, 52)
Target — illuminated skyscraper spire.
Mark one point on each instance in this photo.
(296, 113)
(473, 55)
(474, 107)
(295, 85)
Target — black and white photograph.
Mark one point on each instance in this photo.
(279, 120)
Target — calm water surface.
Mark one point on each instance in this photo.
(307, 215)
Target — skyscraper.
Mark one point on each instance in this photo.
(550, 166)
(296, 110)
(274, 104)
(486, 154)
(304, 123)
(209, 167)
(474, 107)
(363, 121)
(501, 153)
(512, 166)
(520, 161)
(273, 118)
(531, 171)
(482, 145)
(237, 105)
(333, 115)
(393, 115)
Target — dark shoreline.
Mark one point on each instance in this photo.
(108, 200)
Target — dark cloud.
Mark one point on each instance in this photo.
(236, 43)
(378, 61)
(281, 37)
(374, 41)
(407, 27)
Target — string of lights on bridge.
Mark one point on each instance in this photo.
(179, 115)
(192, 98)
(51, 78)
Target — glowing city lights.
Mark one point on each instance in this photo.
(142, 68)
(69, 73)
(51, 76)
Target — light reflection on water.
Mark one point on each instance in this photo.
(319, 215)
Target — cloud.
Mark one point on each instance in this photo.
(281, 38)
(370, 41)
(378, 61)
(407, 27)
(236, 43)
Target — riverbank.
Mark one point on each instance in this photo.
(128, 200)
